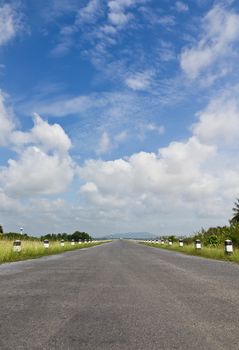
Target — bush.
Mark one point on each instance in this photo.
(212, 240)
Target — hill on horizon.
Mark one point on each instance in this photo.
(131, 235)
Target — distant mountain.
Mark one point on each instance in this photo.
(131, 235)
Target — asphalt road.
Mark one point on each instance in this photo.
(119, 295)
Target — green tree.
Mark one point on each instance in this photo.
(81, 236)
(235, 218)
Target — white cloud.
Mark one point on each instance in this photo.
(194, 181)
(181, 6)
(167, 21)
(153, 127)
(47, 137)
(86, 15)
(9, 23)
(36, 172)
(6, 122)
(185, 185)
(43, 165)
(145, 128)
(148, 173)
(220, 30)
(122, 136)
(219, 122)
(104, 144)
(8, 204)
(89, 13)
(119, 16)
(149, 182)
(115, 17)
(119, 19)
(139, 81)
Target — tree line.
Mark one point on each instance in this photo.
(77, 236)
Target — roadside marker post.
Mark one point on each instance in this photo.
(46, 243)
(228, 247)
(180, 243)
(170, 242)
(72, 242)
(162, 241)
(198, 244)
(62, 243)
(17, 246)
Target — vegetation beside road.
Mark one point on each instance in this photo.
(210, 252)
(32, 249)
(212, 240)
(77, 236)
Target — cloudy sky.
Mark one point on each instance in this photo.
(118, 115)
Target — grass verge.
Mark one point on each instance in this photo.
(206, 252)
(35, 249)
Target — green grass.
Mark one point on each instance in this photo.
(206, 252)
(35, 249)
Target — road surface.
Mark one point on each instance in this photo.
(119, 295)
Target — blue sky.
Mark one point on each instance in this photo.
(118, 115)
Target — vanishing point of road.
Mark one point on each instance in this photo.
(120, 295)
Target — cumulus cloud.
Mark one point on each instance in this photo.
(220, 30)
(47, 137)
(36, 172)
(219, 122)
(185, 180)
(167, 172)
(9, 205)
(42, 165)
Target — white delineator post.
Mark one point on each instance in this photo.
(72, 242)
(198, 244)
(62, 242)
(17, 246)
(162, 241)
(228, 247)
(180, 243)
(46, 243)
(170, 242)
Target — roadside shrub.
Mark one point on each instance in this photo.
(212, 240)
